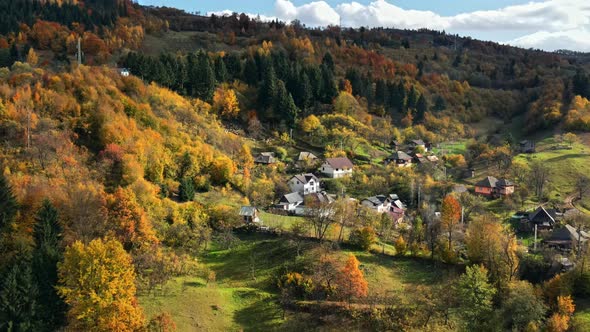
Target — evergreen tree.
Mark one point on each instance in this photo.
(233, 65)
(355, 79)
(251, 71)
(186, 190)
(381, 93)
(421, 108)
(412, 98)
(440, 104)
(314, 75)
(18, 306)
(581, 84)
(47, 253)
(267, 92)
(328, 85)
(203, 78)
(281, 65)
(300, 88)
(328, 61)
(397, 96)
(220, 70)
(8, 204)
(285, 106)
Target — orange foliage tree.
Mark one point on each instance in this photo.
(450, 215)
(352, 281)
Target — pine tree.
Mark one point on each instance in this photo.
(18, 306)
(220, 70)
(412, 98)
(285, 106)
(251, 71)
(233, 65)
(305, 91)
(398, 97)
(8, 204)
(267, 92)
(47, 253)
(440, 104)
(186, 190)
(381, 95)
(421, 108)
(328, 86)
(328, 61)
(204, 78)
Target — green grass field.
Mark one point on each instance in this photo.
(243, 295)
(278, 221)
(564, 165)
(581, 320)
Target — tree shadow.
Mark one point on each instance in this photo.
(261, 313)
(566, 156)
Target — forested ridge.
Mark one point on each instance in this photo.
(121, 193)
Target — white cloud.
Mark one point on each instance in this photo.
(548, 24)
(317, 13)
(565, 40)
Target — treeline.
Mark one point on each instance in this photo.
(274, 74)
(94, 13)
(237, 24)
(286, 88)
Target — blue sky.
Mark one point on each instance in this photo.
(545, 24)
(443, 7)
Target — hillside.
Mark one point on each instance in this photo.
(134, 195)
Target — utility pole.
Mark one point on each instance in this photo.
(79, 53)
(535, 243)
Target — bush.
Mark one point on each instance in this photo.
(363, 238)
(400, 246)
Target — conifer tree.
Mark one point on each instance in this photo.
(220, 70)
(412, 98)
(267, 93)
(328, 85)
(8, 204)
(204, 78)
(46, 255)
(421, 108)
(285, 106)
(328, 61)
(251, 71)
(18, 293)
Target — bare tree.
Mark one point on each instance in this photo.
(539, 178)
(320, 216)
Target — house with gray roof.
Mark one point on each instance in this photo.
(304, 184)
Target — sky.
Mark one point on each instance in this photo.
(544, 24)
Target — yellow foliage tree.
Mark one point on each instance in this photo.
(98, 283)
(226, 103)
(32, 57)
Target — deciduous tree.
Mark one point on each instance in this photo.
(98, 283)
(352, 281)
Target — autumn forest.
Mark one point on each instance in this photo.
(167, 171)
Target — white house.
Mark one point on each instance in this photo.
(337, 167)
(379, 203)
(289, 202)
(389, 204)
(304, 184)
(124, 72)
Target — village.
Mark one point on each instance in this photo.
(552, 227)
